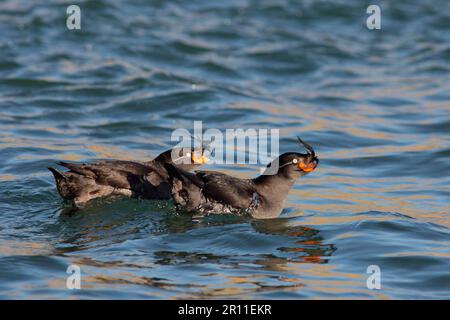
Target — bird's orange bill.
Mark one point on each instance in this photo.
(199, 159)
(307, 167)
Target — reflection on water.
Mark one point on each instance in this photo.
(374, 104)
(297, 245)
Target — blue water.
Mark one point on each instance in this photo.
(375, 104)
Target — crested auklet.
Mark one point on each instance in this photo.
(87, 181)
(209, 192)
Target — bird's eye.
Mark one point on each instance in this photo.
(295, 161)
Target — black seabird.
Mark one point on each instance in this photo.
(149, 180)
(208, 192)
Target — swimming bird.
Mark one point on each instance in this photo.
(86, 181)
(210, 192)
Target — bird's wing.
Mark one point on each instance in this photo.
(117, 174)
(238, 193)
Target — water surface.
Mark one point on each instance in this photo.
(375, 104)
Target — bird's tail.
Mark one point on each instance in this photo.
(173, 172)
(176, 173)
(57, 174)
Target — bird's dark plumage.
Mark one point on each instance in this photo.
(87, 181)
(207, 192)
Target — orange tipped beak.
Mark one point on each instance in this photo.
(307, 167)
(199, 160)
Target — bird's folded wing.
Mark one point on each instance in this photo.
(117, 174)
(228, 190)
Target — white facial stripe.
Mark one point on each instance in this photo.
(284, 165)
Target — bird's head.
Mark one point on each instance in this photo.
(293, 164)
(186, 158)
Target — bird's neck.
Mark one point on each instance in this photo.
(274, 187)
